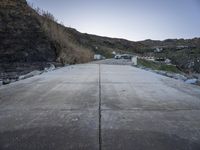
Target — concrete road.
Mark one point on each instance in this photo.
(106, 107)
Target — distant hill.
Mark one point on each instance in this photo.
(31, 38)
(185, 53)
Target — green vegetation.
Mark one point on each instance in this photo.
(148, 64)
(169, 68)
(158, 66)
(188, 59)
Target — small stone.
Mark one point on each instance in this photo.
(51, 68)
(191, 81)
(169, 75)
(6, 81)
(31, 74)
(180, 77)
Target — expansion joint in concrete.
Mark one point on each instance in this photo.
(100, 137)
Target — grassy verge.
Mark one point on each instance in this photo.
(158, 66)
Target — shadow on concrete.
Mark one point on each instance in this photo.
(114, 139)
(49, 138)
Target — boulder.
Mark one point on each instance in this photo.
(31, 74)
(161, 72)
(6, 81)
(180, 77)
(191, 81)
(168, 74)
(50, 68)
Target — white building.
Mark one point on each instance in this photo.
(134, 60)
(167, 61)
(158, 49)
(98, 57)
(114, 53)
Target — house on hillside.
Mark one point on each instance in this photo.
(167, 61)
(158, 49)
(98, 57)
(179, 47)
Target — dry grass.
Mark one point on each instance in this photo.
(68, 51)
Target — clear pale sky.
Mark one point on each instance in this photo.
(130, 19)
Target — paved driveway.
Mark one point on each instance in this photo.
(107, 107)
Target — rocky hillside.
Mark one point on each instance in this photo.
(185, 53)
(31, 41)
(22, 38)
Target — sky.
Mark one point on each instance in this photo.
(129, 19)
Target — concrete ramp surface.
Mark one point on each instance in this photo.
(99, 107)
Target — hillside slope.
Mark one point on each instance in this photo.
(185, 53)
(22, 38)
(31, 39)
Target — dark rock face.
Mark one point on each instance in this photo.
(24, 46)
(21, 36)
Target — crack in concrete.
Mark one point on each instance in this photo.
(100, 137)
(146, 109)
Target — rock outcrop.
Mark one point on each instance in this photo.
(21, 36)
(24, 46)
